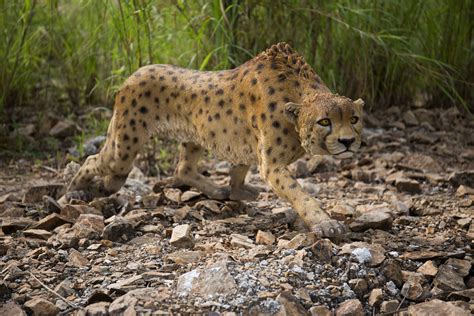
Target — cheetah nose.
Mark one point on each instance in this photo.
(346, 141)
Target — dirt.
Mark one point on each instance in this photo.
(407, 199)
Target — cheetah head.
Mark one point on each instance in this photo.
(327, 124)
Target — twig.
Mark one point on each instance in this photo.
(54, 292)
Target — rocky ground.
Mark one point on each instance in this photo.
(407, 198)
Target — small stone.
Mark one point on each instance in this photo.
(373, 254)
(428, 269)
(393, 271)
(189, 195)
(412, 289)
(88, 226)
(436, 307)
(408, 185)
(451, 275)
(389, 306)
(296, 242)
(40, 306)
(50, 205)
(11, 309)
(185, 256)
(319, 311)
(63, 129)
(359, 286)
(264, 238)
(376, 219)
(464, 190)
(239, 240)
(351, 307)
(64, 288)
(343, 210)
(181, 237)
(97, 309)
(51, 221)
(35, 193)
(37, 233)
(375, 297)
(173, 194)
(410, 119)
(465, 177)
(118, 228)
(77, 259)
(323, 250)
(290, 305)
(72, 211)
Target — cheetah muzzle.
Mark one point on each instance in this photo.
(268, 111)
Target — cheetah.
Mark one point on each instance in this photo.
(269, 111)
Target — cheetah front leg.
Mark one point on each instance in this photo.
(307, 207)
(187, 173)
(238, 189)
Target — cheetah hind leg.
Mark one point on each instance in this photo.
(187, 174)
(238, 189)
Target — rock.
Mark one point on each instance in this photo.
(389, 306)
(376, 219)
(393, 271)
(465, 177)
(181, 237)
(436, 307)
(264, 238)
(289, 305)
(319, 311)
(11, 309)
(239, 240)
(35, 194)
(209, 282)
(189, 195)
(351, 307)
(73, 211)
(50, 205)
(148, 298)
(88, 226)
(451, 275)
(428, 269)
(375, 297)
(408, 185)
(126, 284)
(359, 286)
(298, 241)
(323, 250)
(343, 210)
(423, 255)
(118, 228)
(77, 259)
(65, 288)
(173, 194)
(10, 225)
(51, 221)
(97, 309)
(464, 190)
(40, 306)
(37, 233)
(412, 289)
(63, 129)
(372, 254)
(410, 119)
(185, 256)
(422, 137)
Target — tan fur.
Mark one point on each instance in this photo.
(264, 112)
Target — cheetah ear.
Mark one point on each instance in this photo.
(359, 102)
(291, 111)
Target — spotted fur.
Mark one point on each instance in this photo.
(264, 112)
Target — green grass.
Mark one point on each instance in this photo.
(60, 56)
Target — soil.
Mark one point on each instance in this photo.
(407, 199)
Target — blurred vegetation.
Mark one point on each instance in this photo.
(63, 56)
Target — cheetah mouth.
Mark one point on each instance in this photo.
(345, 154)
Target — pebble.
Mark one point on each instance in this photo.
(436, 307)
(352, 307)
(41, 307)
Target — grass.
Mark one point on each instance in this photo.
(62, 56)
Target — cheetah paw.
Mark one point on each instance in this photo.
(329, 228)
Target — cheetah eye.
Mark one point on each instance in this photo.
(354, 120)
(324, 122)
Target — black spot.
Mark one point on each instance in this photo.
(221, 103)
(125, 113)
(276, 124)
(272, 106)
(260, 66)
(254, 81)
(142, 83)
(144, 124)
(132, 122)
(285, 131)
(245, 73)
(229, 112)
(269, 151)
(212, 134)
(296, 83)
(273, 66)
(277, 181)
(253, 98)
(242, 107)
(206, 99)
(147, 93)
(174, 78)
(143, 110)
(193, 96)
(224, 131)
(157, 117)
(278, 140)
(125, 137)
(281, 77)
(134, 103)
(162, 78)
(209, 118)
(163, 88)
(125, 157)
(157, 101)
(167, 117)
(219, 92)
(271, 90)
(122, 99)
(217, 116)
(263, 117)
(286, 99)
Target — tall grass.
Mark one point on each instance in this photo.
(62, 55)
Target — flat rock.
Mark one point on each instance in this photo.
(464, 190)
(181, 237)
(11, 309)
(289, 305)
(451, 275)
(97, 309)
(133, 301)
(465, 177)
(35, 193)
(436, 307)
(10, 225)
(319, 311)
(208, 282)
(392, 270)
(412, 289)
(408, 185)
(77, 259)
(51, 221)
(63, 129)
(119, 227)
(428, 269)
(185, 256)
(376, 219)
(51, 205)
(389, 306)
(73, 211)
(375, 297)
(88, 226)
(351, 307)
(238, 240)
(410, 119)
(40, 306)
(359, 286)
(37, 233)
(264, 238)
